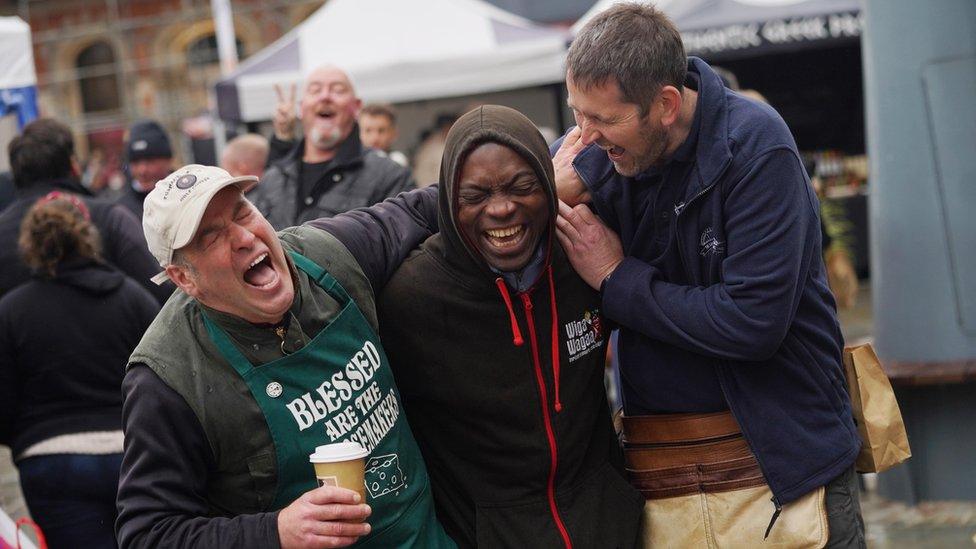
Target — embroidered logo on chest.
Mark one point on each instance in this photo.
(709, 244)
(585, 335)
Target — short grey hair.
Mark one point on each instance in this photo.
(180, 259)
(636, 46)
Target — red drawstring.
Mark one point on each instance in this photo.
(25, 521)
(555, 339)
(516, 333)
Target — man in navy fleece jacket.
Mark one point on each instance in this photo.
(707, 252)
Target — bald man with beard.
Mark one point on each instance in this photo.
(329, 171)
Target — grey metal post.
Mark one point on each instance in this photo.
(920, 92)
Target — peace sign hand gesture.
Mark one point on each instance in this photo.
(284, 115)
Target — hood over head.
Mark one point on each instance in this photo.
(495, 124)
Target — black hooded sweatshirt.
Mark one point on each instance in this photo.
(64, 343)
(504, 390)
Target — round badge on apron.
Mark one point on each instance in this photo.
(338, 388)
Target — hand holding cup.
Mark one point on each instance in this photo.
(327, 516)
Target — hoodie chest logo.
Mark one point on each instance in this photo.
(585, 335)
(709, 244)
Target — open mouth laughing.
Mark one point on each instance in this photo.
(615, 153)
(505, 238)
(261, 273)
(325, 113)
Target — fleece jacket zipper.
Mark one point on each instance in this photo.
(550, 435)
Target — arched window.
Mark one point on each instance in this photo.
(203, 51)
(98, 79)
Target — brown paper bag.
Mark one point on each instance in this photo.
(884, 442)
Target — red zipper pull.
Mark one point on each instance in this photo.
(516, 333)
(526, 301)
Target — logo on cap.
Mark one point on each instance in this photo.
(140, 145)
(186, 181)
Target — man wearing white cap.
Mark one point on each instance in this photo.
(269, 351)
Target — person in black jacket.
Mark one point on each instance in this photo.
(499, 347)
(329, 171)
(64, 340)
(149, 158)
(42, 160)
(7, 194)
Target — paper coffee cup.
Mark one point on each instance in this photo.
(341, 465)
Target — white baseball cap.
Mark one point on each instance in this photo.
(173, 210)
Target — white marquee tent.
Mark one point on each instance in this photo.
(18, 82)
(399, 51)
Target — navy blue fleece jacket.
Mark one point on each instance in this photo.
(753, 303)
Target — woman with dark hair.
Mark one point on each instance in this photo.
(65, 337)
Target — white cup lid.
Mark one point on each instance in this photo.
(341, 451)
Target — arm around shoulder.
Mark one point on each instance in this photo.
(381, 236)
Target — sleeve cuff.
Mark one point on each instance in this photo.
(620, 289)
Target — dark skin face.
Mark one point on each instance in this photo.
(502, 209)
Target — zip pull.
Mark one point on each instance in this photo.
(526, 301)
(280, 332)
(772, 521)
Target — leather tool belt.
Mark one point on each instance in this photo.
(671, 455)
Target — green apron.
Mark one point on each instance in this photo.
(339, 388)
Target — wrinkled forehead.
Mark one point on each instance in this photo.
(488, 161)
(327, 76)
(225, 203)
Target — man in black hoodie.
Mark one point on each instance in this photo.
(42, 160)
(501, 381)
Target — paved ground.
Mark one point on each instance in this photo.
(857, 322)
(928, 525)
(10, 499)
(890, 524)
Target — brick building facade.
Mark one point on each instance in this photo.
(101, 64)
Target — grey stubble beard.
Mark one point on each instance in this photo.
(325, 141)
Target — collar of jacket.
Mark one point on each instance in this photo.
(89, 275)
(131, 188)
(349, 154)
(41, 188)
(712, 153)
